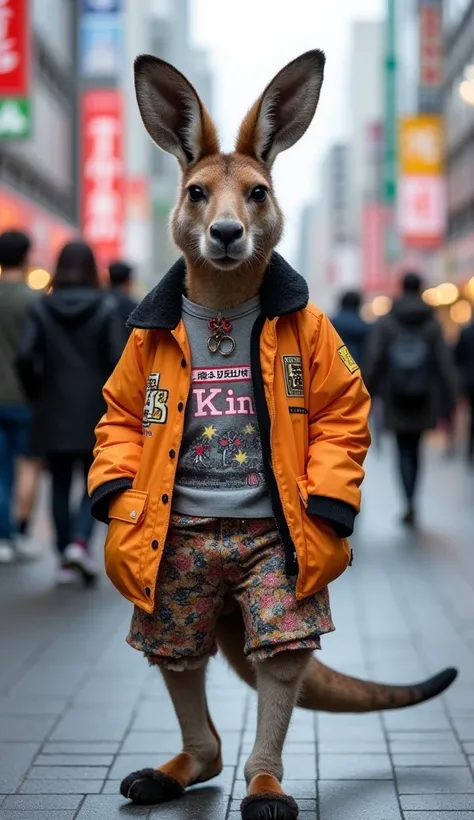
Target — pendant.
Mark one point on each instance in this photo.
(219, 340)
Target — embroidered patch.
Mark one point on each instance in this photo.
(347, 359)
(293, 371)
(299, 411)
(155, 410)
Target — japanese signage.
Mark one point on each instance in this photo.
(101, 39)
(431, 56)
(103, 180)
(422, 189)
(15, 119)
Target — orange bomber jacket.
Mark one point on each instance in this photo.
(312, 411)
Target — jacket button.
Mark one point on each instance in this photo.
(183, 362)
(148, 591)
(164, 498)
(172, 453)
(180, 407)
(154, 544)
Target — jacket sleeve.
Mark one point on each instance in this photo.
(338, 429)
(119, 439)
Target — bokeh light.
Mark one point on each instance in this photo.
(431, 297)
(39, 279)
(461, 312)
(381, 305)
(447, 293)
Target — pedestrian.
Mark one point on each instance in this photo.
(121, 282)
(410, 365)
(70, 347)
(350, 325)
(464, 356)
(15, 300)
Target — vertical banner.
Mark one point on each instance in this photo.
(15, 107)
(100, 47)
(103, 175)
(375, 273)
(430, 91)
(422, 194)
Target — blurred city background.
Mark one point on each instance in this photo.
(381, 185)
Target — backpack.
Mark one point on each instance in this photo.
(409, 370)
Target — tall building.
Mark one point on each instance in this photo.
(38, 173)
(366, 108)
(459, 117)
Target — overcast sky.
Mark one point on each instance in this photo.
(249, 42)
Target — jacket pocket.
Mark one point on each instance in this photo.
(327, 555)
(124, 542)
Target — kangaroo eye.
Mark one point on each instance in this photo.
(196, 193)
(258, 194)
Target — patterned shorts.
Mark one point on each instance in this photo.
(208, 560)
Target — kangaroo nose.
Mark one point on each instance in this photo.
(227, 232)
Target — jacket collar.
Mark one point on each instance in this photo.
(283, 291)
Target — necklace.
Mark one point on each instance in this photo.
(219, 340)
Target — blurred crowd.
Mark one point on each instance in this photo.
(416, 379)
(56, 351)
(58, 348)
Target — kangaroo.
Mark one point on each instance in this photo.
(306, 397)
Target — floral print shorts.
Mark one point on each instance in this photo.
(208, 560)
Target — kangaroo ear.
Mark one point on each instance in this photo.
(172, 112)
(282, 114)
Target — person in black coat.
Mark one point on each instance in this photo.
(121, 280)
(464, 356)
(409, 364)
(71, 345)
(350, 325)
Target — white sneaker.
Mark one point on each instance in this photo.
(76, 556)
(66, 577)
(26, 548)
(7, 554)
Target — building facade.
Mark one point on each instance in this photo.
(38, 174)
(459, 115)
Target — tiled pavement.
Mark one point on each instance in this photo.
(79, 709)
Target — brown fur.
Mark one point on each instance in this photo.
(227, 233)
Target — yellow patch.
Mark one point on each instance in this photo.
(347, 359)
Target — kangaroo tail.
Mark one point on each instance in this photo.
(326, 690)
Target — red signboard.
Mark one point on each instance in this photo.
(48, 233)
(103, 205)
(14, 48)
(431, 45)
(375, 275)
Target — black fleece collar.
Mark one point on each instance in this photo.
(283, 291)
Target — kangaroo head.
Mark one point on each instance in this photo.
(227, 219)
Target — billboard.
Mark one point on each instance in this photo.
(421, 206)
(430, 87)
(375, 273)
(103, 198)
(15, 113)
(100, 39)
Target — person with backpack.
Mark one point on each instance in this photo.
(409, 364)
(464, 356)
(71, 344)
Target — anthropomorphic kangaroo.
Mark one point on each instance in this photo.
(229, 461)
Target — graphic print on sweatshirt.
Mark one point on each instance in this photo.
(220, 470)
(225, 451)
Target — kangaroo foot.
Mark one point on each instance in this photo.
(148, 787)
(266, 799)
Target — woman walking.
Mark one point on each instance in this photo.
(71, 345)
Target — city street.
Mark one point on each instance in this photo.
(79, 709)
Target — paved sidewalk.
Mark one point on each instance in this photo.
(79, 709)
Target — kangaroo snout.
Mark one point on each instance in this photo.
(226, 231)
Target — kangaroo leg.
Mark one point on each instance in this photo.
(200, 758)
(278, 682)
